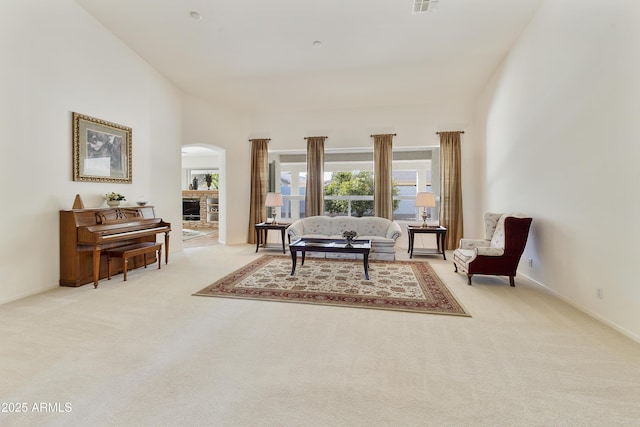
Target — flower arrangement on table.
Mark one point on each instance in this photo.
(114, 197)
(349, 235)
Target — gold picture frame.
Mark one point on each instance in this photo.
(101, 150)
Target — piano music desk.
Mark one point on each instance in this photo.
(125, 252)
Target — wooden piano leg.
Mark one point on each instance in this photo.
(96, 266)
(166, 247)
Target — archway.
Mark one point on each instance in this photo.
(210, 158)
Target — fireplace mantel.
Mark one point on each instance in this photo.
(208, 208)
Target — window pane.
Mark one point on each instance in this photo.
(349, 193)
(348, 182)
(405, 190)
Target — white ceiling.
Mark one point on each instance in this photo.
(259, 55)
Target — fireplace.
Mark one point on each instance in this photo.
(199, 209)
(191, 209)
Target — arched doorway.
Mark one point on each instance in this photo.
(204, 219)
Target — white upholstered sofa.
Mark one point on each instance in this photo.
(382, 232)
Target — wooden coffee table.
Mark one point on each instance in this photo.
(303, 245)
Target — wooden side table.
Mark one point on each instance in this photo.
(263, 228)
(440, 232)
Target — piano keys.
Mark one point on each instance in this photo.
(86, 233)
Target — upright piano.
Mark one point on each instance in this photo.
(86, 233)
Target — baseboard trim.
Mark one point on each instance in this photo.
(27, 294)
(585, 310)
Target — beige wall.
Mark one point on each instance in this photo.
(57, 59)
(415, 126)
(227, 130)
(560, 125)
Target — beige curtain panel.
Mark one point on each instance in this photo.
(314, 193)
(382, 181)
(451, 188)
(259, 177)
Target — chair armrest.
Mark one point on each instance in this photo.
(296, 229)
(394, 231)
(490, 251)
(474, 243)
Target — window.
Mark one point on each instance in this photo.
(353, 171)
(199, 176)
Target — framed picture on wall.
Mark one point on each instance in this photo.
(101, 150)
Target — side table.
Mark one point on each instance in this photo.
(439, 231)
(263, 228)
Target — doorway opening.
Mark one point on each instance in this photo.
(202, 195)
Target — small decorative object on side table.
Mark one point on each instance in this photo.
(349, 236)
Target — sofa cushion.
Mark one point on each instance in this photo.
(497, 240)
(490, 223)
(371, 226)
(317, 225)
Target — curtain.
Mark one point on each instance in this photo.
(451, 188)
(314, 194)
(383, 184)
(259, 177)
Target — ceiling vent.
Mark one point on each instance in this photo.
(423, 6)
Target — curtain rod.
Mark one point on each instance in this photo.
(259, 139)
(383, 134)
(452, 131)
(307, 137)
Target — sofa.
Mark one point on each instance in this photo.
(382, 232)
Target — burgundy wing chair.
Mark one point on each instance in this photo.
(499, 253)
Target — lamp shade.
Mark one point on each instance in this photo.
(425, 200)
(273, 199)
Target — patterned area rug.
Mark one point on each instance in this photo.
(393, 285)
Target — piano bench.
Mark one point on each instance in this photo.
(128, 251)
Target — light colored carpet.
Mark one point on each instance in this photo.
(147, 353)
(392, 285)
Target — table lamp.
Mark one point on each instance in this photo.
(272, 201)
(425, 200)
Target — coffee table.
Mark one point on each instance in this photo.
(305, 244)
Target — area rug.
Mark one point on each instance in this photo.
(393, 285)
